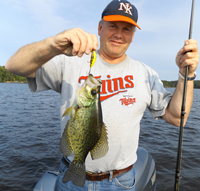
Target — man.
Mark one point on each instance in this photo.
(61, 63)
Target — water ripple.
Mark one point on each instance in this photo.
(30, 135)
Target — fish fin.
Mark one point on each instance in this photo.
(67, 111)
(101, 148)
(65, 143)
(71, 111)
(76, 173)
(75, 107)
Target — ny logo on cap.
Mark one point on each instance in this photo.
(127, 8)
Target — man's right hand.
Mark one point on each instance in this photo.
(29, 58)
(74, 42)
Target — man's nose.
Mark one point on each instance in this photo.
(118, 34)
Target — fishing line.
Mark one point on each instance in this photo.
(103, 4)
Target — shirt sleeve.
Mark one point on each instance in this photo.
(49, 76)
(160, 97)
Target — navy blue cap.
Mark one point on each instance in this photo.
(121, 10)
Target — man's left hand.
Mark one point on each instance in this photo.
(188, 56)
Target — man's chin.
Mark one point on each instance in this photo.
(116, 53)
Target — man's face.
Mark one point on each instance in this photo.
(115, 38)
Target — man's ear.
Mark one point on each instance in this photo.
(99, 28)
(133, 37)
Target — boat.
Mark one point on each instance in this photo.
(145, 174)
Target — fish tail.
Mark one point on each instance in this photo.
(76, 173)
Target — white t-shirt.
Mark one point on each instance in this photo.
(128, 88)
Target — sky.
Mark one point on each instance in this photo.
(164, 27)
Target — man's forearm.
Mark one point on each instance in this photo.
(71, 42)
(188, 55)
(29, 58)
(173, 112)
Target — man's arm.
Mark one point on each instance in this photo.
(29, 58)
(188, 55)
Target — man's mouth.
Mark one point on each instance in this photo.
(116, 42)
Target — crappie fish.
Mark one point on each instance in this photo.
(85, 131)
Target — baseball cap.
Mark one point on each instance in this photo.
(121, 10)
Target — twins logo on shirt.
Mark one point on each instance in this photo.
(113, 86)
(128, 100)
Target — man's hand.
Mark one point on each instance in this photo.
(74, 42)
(188, 55)
(29, 58)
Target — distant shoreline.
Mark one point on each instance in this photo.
(166, 84)
(16, 82)
(7, 77)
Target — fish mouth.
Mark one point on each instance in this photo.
(92, 81)
(100, 81)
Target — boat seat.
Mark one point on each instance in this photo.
(47, 182)
(145, 171)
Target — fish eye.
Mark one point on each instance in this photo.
(93, 92)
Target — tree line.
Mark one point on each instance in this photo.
(172, 84)
(6, 76)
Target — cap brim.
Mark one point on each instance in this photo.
(111, 18)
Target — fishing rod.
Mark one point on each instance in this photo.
(179, 155)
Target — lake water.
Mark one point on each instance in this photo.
(30, 135)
